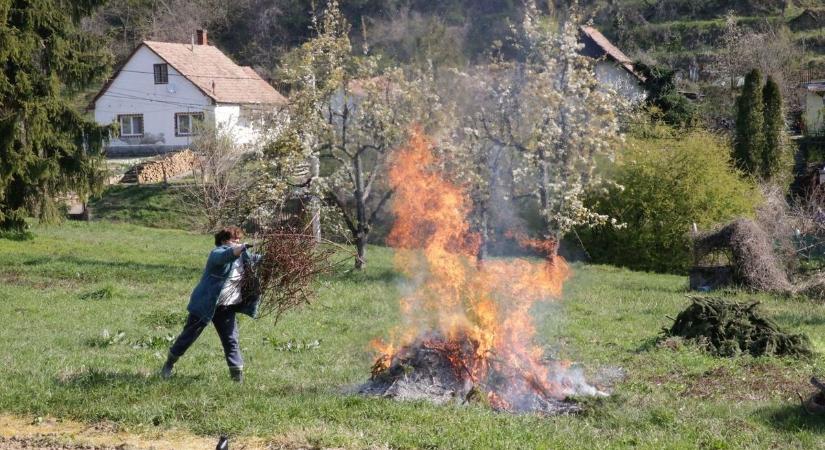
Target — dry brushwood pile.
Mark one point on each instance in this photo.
(753, 260)
(161, 169)
(442, 371)
(727, 328)
(751, 255)
(290, 261)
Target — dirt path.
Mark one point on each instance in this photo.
(57, 434)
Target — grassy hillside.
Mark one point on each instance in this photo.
(153, 205)
(91, 307)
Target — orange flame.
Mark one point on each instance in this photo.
(454, 295)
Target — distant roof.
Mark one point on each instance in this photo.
(211, 71)
(609, 49)
(808, 20)
(816, 15)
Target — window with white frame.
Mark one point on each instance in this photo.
(186, 123)
(131, 125)
(161, 74)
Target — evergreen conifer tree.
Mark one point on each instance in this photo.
(660, 83)
(774, 124)
(47, 148)
(750, 131)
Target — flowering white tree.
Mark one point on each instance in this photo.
(557, 118)
(480, 165)
(347, 114)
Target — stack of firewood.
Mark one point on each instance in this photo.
(161, 169)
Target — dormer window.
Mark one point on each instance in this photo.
(161, 74)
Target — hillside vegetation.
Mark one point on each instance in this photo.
(261, 32)
(678, 32)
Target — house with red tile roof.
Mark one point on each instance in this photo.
(163, 90)
(612, 66)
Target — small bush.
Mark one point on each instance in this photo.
(106, 339)
(165, 319)
(153, 342)
(104, 293)
(669, 181)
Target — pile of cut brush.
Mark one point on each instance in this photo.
(728, 328)
(443, 371)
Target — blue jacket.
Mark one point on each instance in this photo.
(204, 298)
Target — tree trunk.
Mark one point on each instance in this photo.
(544, 199)
(315, 202)
(484, 237)
(554, 250)
(361, 249)
(362, 228)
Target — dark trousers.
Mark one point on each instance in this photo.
(227, 327)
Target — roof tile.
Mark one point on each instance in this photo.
(215, 74)
(611, 50)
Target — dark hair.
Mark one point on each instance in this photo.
(228, 234)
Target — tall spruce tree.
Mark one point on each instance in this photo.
(750, 131)
(774, 125)
(47, 148)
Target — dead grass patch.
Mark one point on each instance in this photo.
(18, 279)
(756, 382)
(58, 434)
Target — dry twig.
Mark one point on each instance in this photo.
(290, 261)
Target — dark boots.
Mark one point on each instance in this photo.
(166, 370)
(236, 373)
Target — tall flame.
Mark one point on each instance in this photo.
(454, 295)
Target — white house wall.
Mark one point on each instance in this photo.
(238, 121)
(625, 84)
(134, 92)
(814, 108)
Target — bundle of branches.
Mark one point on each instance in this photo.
(729, 328)
(754, 262)
(290, 260)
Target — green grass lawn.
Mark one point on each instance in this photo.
(150, 205)
(69, 293)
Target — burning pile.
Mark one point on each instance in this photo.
(468, 331)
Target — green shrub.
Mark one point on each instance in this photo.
(670, 181)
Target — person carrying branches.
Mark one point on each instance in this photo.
(219, 295)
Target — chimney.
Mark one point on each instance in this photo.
(201, 37)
